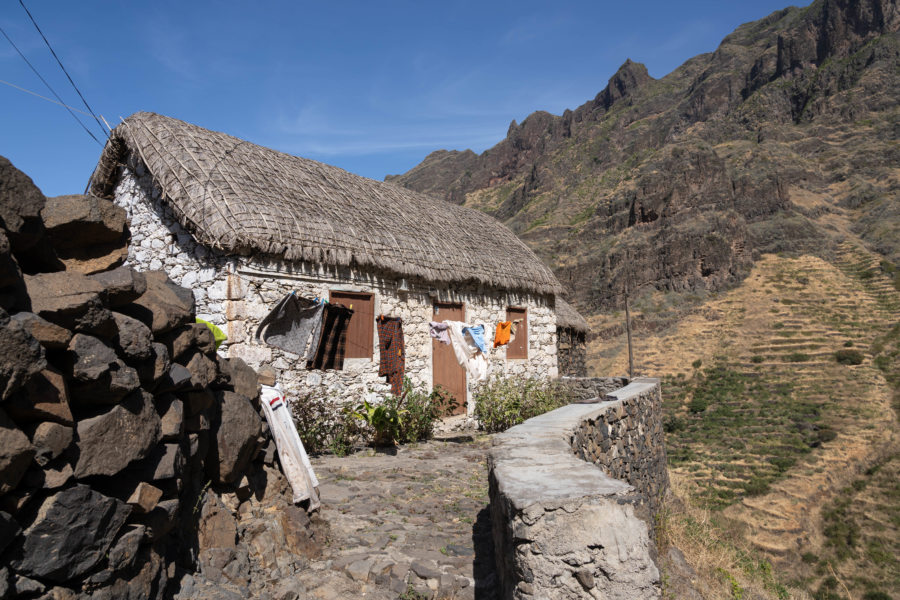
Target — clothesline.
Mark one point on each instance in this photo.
(316, 331)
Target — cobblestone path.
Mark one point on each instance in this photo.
(411, 520)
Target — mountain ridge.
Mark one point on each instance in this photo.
(680, 183)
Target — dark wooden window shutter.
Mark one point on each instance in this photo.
(362, 323)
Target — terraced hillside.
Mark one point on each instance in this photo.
(775, 408)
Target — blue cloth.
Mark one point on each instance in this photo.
(477, 335)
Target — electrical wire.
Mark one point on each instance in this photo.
(60, 100)
(27, 91)
(59, 62)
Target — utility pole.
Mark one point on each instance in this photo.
(628, 331)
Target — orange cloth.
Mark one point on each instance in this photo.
(501, 338)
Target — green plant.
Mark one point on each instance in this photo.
(506, 401)
(848, 344)
(797, 357)
(324, 425)
(849, 357)
(406, 418)
(697, 364)
(383, 419)
(757, 358)
(419, 411)
(411, 594)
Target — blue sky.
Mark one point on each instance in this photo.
(371, 87)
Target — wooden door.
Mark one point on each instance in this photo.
(446, 372)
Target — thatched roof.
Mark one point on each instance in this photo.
(569, 318)
(242, 198)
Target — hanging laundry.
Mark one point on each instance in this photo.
(218, 335)
(501, 336)
(468, 355)
(513, 328)
(391, 350)
(291, 453)
(462, 349)
(332, 341)
(291, 325)
(477, 335)
(439, 332)
(478, 367)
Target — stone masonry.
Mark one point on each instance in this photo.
(626, 441)
(565, 527)
(236, 292)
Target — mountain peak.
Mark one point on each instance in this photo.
(630, 77)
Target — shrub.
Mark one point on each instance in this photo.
(848, 344)
(849, 357)
(697, 363)
(797, 357)
(419, 411)
(757, 486)
(506, 401)
(409, 417)
(757, 358)
(324, 425)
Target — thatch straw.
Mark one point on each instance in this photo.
(242, 198)
(569, 318)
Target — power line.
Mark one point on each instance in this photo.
(61, 103)
(59, 62)
(27, 91)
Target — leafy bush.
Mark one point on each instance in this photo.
(409, 417)
(757, 358)
(849, 357)
(324, 425)
(504, 402)
(848, 344)
(797, 357)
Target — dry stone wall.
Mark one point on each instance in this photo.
(235, 293)
(121, 429)
(571, 352)
(565, 527)
(625, 439)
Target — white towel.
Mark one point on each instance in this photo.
(294, 461)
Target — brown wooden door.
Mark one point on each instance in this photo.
(447, 373)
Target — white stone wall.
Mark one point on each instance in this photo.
(235, 293)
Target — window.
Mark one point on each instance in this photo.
(362, 323)
(518, 347)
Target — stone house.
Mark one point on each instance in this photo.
(242, 225)
(571, 340)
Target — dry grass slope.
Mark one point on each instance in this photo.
(772, 440)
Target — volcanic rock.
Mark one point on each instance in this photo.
(134, 425)
(20, 215)
(133, 339)
(22, 356)
(70, 535)
(235, 430)
(50, 440)
(72, 301)
(121, 286)
(164, 305)
(16, 453)
(50, 336)
(44, 398)
(100, 377)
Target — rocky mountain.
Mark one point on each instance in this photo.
(784, 139)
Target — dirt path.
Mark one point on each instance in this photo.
(412, 519)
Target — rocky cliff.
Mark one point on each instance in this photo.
(678, 183)
(133, 460)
